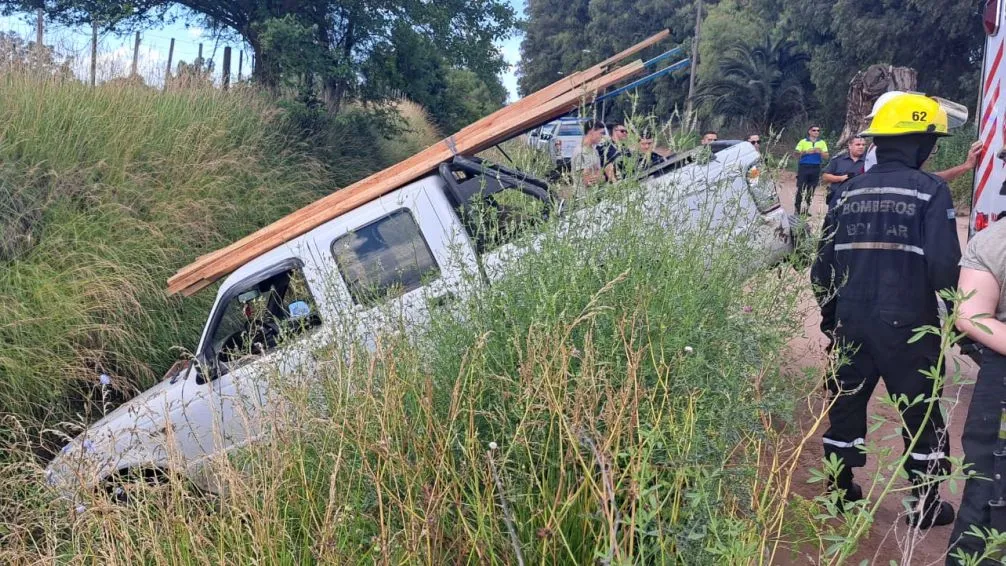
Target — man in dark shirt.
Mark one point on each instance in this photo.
(844, 167)
(615, 152)
(647, 157)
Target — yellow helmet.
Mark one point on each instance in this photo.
(909, 113)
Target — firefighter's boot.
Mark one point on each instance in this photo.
(934, 512)
(848, 490)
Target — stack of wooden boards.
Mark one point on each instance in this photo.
(546, 104)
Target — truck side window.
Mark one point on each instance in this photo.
(261, 316)
(386, 258)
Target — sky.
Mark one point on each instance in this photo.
(115, 53)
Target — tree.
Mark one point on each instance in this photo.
(411, 65)
(941, 40)
(759, 86)
(554, 43)
(335, 36)
(564, 36)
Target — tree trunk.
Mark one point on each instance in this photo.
(264, 73)
(865, 88)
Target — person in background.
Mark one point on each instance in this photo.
(709, 137)
(844, 167)
(586, 161)
(812, 152)
(615, 152)
(983, 276)
(647, 157)
(755, 140)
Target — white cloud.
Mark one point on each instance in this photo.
(196, 32)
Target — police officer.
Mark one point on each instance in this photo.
(844, 167)
(889, 244)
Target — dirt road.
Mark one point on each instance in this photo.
(889, 538)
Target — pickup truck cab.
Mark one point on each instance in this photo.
(390, 260)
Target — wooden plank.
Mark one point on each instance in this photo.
(519, 108)
(623, 55)
(217, 264)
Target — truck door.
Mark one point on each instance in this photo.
(259, 339)
(988, 197)
(497, 207)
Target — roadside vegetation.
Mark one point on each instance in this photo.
(105, 192)
(621, 399)
(613, 398)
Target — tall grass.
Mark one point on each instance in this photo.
(609, 400)
(104, 193)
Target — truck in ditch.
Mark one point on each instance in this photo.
(420, 247)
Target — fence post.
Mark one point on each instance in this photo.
(39, 28)
(167, 72)
(94, 53)
(227, 67)
(136, 55)
(241, 63)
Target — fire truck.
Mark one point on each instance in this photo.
(988, 197)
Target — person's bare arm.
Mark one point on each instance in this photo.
(974, 154)
(832, 178)
(824, 154)
(609, 172)
(983, 301)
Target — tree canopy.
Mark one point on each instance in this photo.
(323, 41)
(941, 40)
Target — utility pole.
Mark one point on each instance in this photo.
(136, 55)
(694, 62)
(241, 63)
(94, 52)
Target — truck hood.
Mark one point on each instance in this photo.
(135, 432)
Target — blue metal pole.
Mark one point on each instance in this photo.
(667, 70)
(666, 55)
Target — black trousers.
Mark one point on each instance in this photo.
(877, 343)
(980, 440)
(807, 177)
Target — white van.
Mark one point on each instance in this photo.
(418, 247)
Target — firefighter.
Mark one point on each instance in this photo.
(889, 244)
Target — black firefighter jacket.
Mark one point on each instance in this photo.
(888, 244)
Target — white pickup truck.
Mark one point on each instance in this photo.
(418, 247)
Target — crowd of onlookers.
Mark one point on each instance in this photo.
(599, 159)
(606, 154)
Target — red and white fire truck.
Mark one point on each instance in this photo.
(988, 197)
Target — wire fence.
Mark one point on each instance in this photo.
(156, 55)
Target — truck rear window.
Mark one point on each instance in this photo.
(386, 258)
